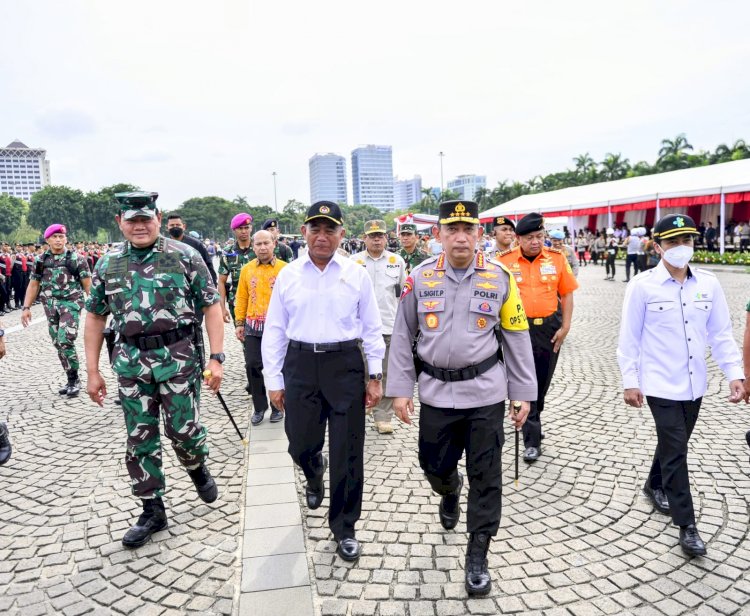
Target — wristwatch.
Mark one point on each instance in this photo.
(2, 333)
(220, 357)
(376, 377)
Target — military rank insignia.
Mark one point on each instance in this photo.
(481, 322)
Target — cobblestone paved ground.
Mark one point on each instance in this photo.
(66, 502)
(577, 536)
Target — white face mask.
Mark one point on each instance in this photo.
(679, 256)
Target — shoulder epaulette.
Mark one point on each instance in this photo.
(503, 253)
(424, 263)
(557, 250)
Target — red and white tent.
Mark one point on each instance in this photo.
(423, 221)
(716, 193)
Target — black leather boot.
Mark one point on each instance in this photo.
(5, 448)
(478, 580)
(64, 389)
(74, 384)
(450, 510)
(204, 484)
(152, 520)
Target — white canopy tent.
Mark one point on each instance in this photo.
(711, 188)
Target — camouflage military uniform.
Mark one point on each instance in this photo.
(230, 265)
(151, 292)
(61, 294)
(413, 259)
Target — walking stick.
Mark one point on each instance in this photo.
(207, 374)
(516, 408)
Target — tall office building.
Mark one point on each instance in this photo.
(372, 176)
(406, 192)
(466, 185)
(23, 170)
(328, 178)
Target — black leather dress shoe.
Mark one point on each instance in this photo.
(450, 510)
(657, 497)
(257, 417)
(349, 549)
(315, 490)
(691, 542)
(531, 454)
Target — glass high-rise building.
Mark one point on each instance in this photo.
(372, 176)
(23, 170)
(466, 185)
(406, 192)
(328, 178)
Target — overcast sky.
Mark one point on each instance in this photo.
(209, 98)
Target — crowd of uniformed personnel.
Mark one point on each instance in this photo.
(330, 336)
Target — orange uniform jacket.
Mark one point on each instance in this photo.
(541, 281)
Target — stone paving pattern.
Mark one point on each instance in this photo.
(66, 500)
(577, 536)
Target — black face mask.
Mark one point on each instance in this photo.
(175, 232)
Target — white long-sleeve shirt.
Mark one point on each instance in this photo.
(310, 305)
(664, 331)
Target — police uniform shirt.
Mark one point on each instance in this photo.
(388, 274)
(541, 281)
(456, 316)
(309, 305)
(664, 331)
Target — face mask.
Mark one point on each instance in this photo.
(175, 232)
(679, 256)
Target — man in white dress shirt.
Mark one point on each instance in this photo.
(669, 314)
(322, 306)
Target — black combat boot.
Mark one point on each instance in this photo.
(74, 384)
(450, 510)
(64, 389)
(152, 520)
(204, 484)
(478, 580)
(5, 448)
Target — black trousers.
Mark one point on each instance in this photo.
(254, 372)
(674, 424)
(545, 361)
(16, 281)
(609, 265)
(329, 388)
(631, 260)
(444, 435)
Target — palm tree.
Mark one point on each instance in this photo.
(483, 196)
(614, 167)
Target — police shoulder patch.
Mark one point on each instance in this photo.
(557, 250)
(504, 252)
(408, 287)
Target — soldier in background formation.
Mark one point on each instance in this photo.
(5, 447)
(232, 261)
(410, 251)
(153, 287)
(60, 278)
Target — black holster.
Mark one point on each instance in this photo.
(110, 337)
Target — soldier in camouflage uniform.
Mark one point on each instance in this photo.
(282, 251)
(152, 287)
(410, 251)
(60, 277)
(231, 263)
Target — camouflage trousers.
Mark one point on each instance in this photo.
(179, 400)
(62, 324)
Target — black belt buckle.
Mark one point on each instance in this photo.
(150, 343)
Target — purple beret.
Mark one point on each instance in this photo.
(241, 219)
(52, 229)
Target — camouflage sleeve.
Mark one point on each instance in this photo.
(97, 299)
(34, 275)
(223, 267)
(202, 287)
(83, 267)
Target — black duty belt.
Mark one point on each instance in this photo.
(460, 374)
(542, 320)
(147, 342)
(324, 347)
